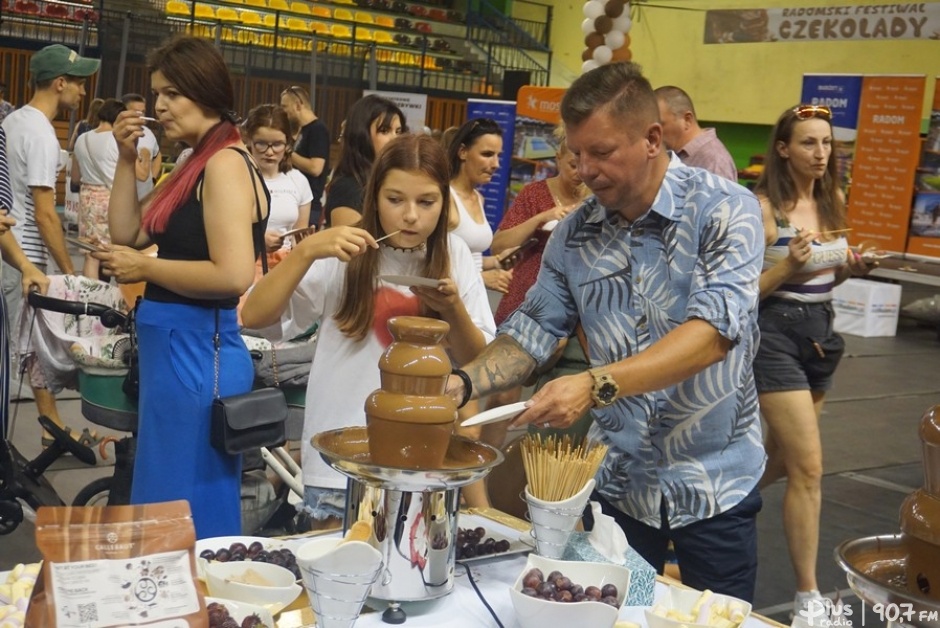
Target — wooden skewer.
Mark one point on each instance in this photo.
(834, 231)
(388, 235)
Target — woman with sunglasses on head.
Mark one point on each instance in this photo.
(334, 277)
(267, 131)
(208, 220)
(372, 123)
(806, 256)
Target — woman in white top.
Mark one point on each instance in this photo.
(474, 158)
(93, 164)
(267, 132)
(336, 277)
(806, 256)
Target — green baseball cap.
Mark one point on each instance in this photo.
(57, 60)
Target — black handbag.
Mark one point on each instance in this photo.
(248, 421)
(255, 419)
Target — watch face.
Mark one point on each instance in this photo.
(607, 392)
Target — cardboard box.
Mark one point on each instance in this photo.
(866, 308)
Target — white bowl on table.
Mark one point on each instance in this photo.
(281, 590)
(683, 600)
(534, 612)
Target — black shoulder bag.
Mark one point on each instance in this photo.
(251, 420)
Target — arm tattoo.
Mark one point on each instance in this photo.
(500, 366)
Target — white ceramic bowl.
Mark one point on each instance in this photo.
(282, 592)
(683, 600)
(239, 611)
(537, 613)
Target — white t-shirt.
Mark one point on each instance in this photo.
(148, 141)
(346, 371)
(478, 236)
(97, 157)
(33, 159)
(289, 190)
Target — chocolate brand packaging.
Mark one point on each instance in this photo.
(117, 566)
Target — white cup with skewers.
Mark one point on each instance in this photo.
(553, 522)
(560, 478)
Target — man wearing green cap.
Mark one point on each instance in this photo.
(57, 79)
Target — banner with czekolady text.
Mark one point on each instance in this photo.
(900, 20)
(925, 218)
(886, 154)
(414, 106)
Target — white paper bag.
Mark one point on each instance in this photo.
(866, 308)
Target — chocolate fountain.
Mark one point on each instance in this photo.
(902, 572)
(406, 468)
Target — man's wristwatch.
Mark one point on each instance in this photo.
(605, 388)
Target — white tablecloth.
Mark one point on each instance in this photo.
(494, 576)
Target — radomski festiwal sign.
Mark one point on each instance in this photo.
(916, 20)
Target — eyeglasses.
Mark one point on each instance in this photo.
(262, 147)
(805, 112)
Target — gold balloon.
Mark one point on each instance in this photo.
(623, 53)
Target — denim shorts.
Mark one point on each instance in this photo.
(323, 503)
(799, 350)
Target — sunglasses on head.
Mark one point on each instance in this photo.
(805, 112)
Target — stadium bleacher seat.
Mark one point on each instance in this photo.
(297, 24)
(205, 11)
(340, 31)
(321, 11)
(363, 18)
(257, 3)
(250, 18)
(278, 5)
(383, 37)
(269, 21)
(177, 7)
(385, 20)
(343, 14)
(300, 7)
(320, 28)
(227, 14)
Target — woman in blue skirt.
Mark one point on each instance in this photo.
(208, 220)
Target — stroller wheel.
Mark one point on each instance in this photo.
(11, 515)
(95, 494)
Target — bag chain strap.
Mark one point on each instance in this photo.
(217, 343)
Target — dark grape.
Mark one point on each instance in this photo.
(531, 581)
(207, 554)
(223, 555)
(610, 600)
(238, 547)
(580, 597)
(576, 590)
(609, 590)
(562, 583)
(592, 592)
(531, 592)
(546, 590)
(255, 547)
(553, 576)
(467, 537)
(535, 571)
(564, 596)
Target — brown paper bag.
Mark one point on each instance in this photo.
(117, 566)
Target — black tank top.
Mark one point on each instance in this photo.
(185, 239)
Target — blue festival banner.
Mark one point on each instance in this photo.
(842, 93)
(496, 191)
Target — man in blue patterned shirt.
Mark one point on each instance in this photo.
(661, 268)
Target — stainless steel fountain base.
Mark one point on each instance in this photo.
(874, 566)
(412, 513)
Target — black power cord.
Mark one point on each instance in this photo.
(479, 593)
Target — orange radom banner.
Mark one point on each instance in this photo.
(886, 155)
